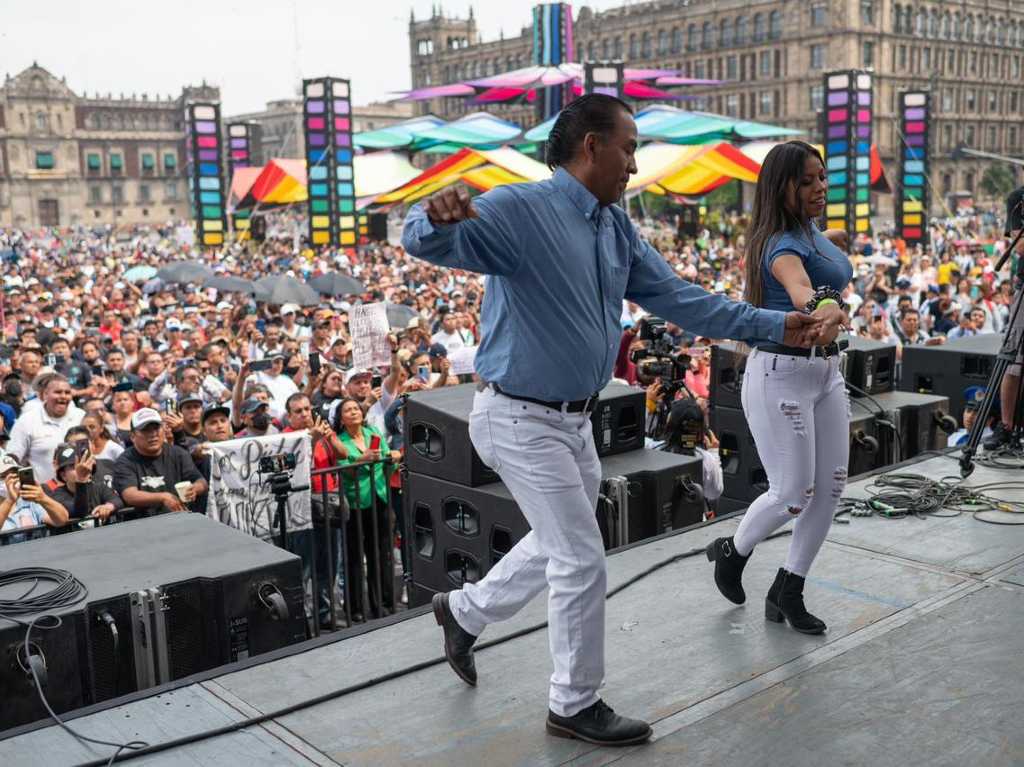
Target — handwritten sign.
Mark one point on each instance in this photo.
(369, 326)
(463, 360)
(241, 497)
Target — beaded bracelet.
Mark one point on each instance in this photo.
(821, 294)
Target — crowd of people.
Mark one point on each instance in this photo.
(113, 385)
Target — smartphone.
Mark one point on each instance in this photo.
(81, 447)
(314, 363)
(171, 406)
(376, 381)
(51, 360)
(423, 373)
(258, 366)
(26, 476)
(374, 442)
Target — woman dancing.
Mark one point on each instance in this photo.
(794, 399)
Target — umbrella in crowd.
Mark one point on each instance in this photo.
(335, 284)
(184, 271)
(140, 273)
(280, 289)
(399, 314)
(228, 284)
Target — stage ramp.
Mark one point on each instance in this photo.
(921, 665)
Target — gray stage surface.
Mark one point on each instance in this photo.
(923, 664)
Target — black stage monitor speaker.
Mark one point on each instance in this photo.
(458, 533)
(866, 444)
(743, 474)
(169, 596)
(949, 369)
(728, 361)
(437, 431)
(923, 420)
(870, 366)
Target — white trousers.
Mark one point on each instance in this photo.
(548, 461)
(799, 416)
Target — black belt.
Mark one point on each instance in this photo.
(574, 406)
(825, 352)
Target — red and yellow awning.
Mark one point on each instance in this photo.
(690, 170)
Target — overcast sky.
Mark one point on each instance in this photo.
(255, 50)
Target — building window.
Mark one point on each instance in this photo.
(969, 181)
(817, 97)
(171, 190)
(819, 15)
(170, 162)
(691, 37)
(1011, 136)
(868, 55)
(969, 135)
(867, 12)
(634, 47)
(698, 69)
(731, 68)
(1013, 101)
(993, 102)
(706, 35)
(42, 121)
(662, 42)
(901, 56)
(645, 48)
(95, 195)
(767, 103)
(817, 56)
(144, 193)
(774, 25)
(117, 195)
(969, 99)
(759, 32)
(44, 160)
(677, 39)
(725, 32)
(947, 136)
(116, 164)
(993, 142)
(741, 30)
(947, 183)
(926, 58)
(148, 163)
(765, 63)
(93, 163)
(732, 105)
(947, 100)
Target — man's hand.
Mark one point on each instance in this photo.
(174, 421)
(802, 330)
(13, 486)
(449, 206)
(653, 394)
(833, 319)
(320, 429)
(103, 511)
(172, 502)
(83, 468)
(32, 493)
(838, 237)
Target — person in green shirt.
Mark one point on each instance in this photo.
(369, 528)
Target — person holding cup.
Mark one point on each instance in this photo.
(152, 473)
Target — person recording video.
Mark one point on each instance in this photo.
(686, 432)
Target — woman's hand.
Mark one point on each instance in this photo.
(833, 320)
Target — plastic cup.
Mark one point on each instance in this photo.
(181, 488)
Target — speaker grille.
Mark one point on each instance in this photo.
(423, 531)
(113, 671)
(501, 543)
(461, 517)
(427, 441)
(185, 630)
(462, 567)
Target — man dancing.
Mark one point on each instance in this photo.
(560, 258)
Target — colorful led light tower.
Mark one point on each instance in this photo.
(603, 77)
(204, 150)
(849, 112)
(327, 124)
(241, 139)
(553, 45)
(912, 201)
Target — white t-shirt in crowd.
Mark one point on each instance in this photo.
(456, 340)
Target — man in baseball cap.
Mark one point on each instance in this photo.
(26, 506)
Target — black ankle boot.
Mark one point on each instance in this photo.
(729, 566)
(785, 602)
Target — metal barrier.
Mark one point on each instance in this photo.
(22, 534)
(364, 534)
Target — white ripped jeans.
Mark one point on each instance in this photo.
(548, 461)
(799, 415)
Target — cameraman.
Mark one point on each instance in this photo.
(687, 433)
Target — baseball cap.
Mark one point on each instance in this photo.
(251, 405)
(973, 395)
(437, 350)
(186, 399)
(903, 282)
(8, 463)
(356, 373)
(214, 409)
(413, 323)
(145, 416)
(289, 309)
(64, 455)
(224, 305)
(172, 324)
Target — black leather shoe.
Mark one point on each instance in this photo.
(1001, 437)
(785, 602)
(729, 566)
(600, 725)
(458, 643)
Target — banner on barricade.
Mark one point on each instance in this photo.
(241, 497)
(369, 328)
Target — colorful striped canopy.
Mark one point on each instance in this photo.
(433, 134)
(689, 170)
(402, 135)
(481, 169)
(758, 150)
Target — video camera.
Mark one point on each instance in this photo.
(280, 463)
(659, 357)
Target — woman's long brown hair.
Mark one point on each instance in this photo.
(783, 166)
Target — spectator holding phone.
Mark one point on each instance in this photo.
(74, 486)
(367, 491)
(146, 474)
(26, 505)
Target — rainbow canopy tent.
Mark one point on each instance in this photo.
(689, 170)
(480, 130)
(524, 83)
(403, 135)
(482, 169)
(283, 181)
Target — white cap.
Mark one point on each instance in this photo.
(172, 324)
(224, 305)
(7, 463)
(356, 372)
(289, 309)
(145, 416)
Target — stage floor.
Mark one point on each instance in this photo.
(922, 665)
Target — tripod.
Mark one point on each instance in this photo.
(1012, 349)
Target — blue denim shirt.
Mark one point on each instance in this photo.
(559, 266)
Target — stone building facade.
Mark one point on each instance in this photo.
(67, 159)
(774, 54)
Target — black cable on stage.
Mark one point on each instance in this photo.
(68, 591)
(373, 682)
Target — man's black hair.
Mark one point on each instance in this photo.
(592, 113)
